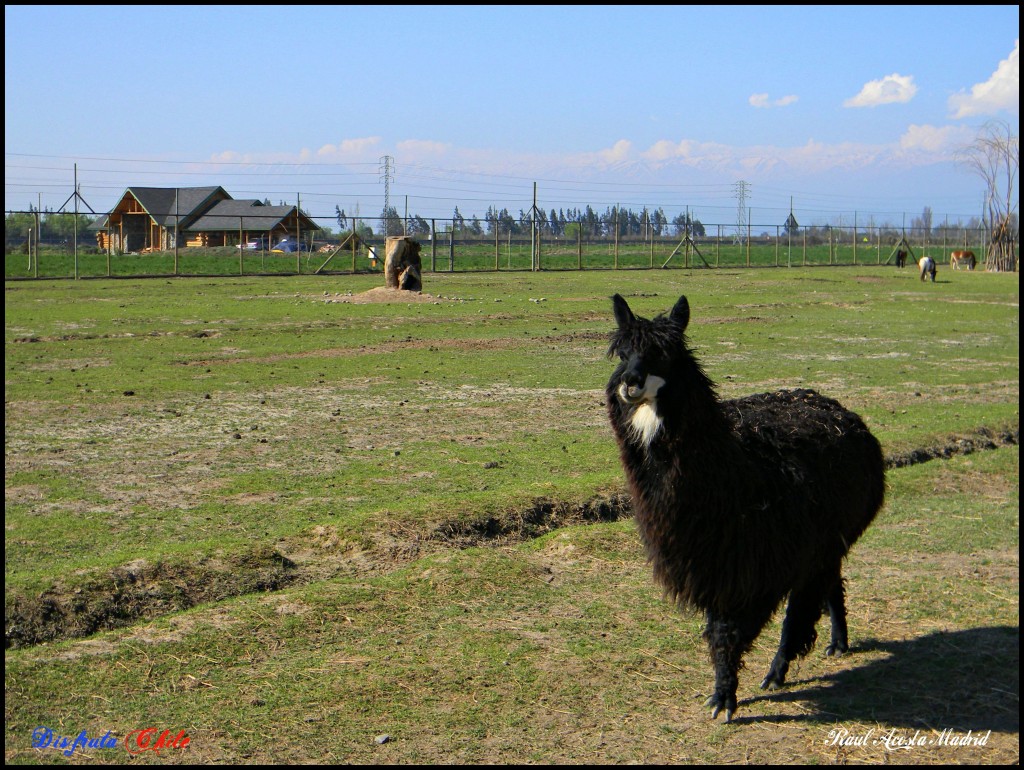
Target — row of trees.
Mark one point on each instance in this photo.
(54, 227)
(562, 223)
(566, 223)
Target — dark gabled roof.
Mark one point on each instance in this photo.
(249, 215)
(159, 202)
(206, 209)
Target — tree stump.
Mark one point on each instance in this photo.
(402, 266)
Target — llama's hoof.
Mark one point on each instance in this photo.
(836, 649)
(717, 703)
(776, 677)
(772, 682)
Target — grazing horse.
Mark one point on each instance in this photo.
(901, 258)
(958, 258)
(927, 265)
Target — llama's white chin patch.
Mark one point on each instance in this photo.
(645, 424)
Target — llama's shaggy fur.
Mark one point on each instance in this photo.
(739, 503)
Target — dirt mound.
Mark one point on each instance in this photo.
(384, 294)
(958, 445)
(139, 591)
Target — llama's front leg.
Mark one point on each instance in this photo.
(840, 641)
(727, 642)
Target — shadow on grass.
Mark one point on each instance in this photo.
(960, 680)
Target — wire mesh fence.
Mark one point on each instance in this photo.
(36, 248)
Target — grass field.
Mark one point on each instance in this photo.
(289, 515)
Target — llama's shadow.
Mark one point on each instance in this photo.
(963, 680)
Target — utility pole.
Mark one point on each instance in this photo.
(77, 196)
(386, 162)
(741, 189)
(533, 230)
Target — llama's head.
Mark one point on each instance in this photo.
(653, 360)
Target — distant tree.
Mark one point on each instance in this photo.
(417, 225)
(685, 224)
(61, 226)
(390, 222)
(659, 221)
(923, 223)
(556, 221)
(491, 220)
(995, 157)
(17, 223)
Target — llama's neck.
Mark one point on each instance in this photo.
(667, 447)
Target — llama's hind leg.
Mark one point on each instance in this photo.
(798, 633)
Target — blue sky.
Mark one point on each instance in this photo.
(844, 109)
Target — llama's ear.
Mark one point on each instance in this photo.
(623, 315)
(680, 314)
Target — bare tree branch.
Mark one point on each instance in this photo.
(995, 157)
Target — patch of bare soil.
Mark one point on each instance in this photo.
(384, 294)
(141, 591)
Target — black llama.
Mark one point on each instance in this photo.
(740, 502)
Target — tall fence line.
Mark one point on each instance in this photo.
(508, 246)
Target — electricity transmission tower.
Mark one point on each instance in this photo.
(386, 165)
(741, 189)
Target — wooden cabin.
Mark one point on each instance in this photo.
(153, 218)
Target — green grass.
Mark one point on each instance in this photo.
(466, 255)
(200, 427)
(172, 413)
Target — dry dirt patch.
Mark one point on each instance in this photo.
(383, 294)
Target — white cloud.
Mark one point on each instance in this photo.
(762, 101)
(617, 153)
(686, 151)
(918, 146)
(1000, 92)
(420, 147)
(894, 88)
(348, 148)
(933, 139)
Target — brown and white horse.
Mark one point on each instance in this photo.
(958, 258)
